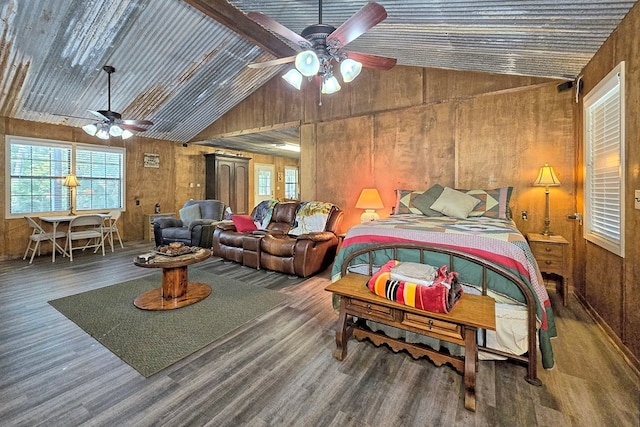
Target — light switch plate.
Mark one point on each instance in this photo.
(637, 199)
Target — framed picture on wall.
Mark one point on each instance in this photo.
(151, 160)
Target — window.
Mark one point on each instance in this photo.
(291, 183)
(604, 162)
(264, 183)
(37, 170)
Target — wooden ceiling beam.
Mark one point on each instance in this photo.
(234, 19)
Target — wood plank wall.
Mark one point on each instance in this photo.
(607, 283)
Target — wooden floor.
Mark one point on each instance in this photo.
(279, 369)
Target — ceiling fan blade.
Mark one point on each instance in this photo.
(279, 29)
(133, 127)
(137, 122)
(370, 15)
(372, 61)
(273, 62)
(99, 115)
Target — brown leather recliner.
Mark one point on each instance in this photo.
(274, 249)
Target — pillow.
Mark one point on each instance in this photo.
(455, 203)
(243, 223)
(190, 213)
(404, 202)
(424, 201)
(493, 203)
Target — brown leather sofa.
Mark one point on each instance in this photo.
(273, 248)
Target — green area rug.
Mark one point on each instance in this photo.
(150, 341)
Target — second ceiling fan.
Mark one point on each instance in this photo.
(322, 47)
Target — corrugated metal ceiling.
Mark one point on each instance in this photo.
(181, 69)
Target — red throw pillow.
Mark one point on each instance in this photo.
(243, 223)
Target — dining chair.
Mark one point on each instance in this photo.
(38, 235)
(89, 228)
(111, 227)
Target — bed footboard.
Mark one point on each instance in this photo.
(423, 252)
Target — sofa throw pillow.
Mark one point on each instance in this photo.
(455, 203)
(404, 202)
(426, 199)
(493, 203)
(243, 223)
(190, 213)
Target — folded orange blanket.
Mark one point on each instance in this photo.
(440, 297)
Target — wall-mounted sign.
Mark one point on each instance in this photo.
(151, 160)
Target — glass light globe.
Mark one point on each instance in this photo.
(307, 63)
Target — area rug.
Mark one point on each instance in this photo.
(150, 341)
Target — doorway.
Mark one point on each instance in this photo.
(264, 182)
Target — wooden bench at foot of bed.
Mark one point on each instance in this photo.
(459, 326)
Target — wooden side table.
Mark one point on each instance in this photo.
(551, 254)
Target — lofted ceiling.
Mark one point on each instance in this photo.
(183, 64)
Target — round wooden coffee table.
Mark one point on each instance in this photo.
(176, 290)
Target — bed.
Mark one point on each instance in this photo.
(487, 251)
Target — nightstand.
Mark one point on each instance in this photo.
(551, 255)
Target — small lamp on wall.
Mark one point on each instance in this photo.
(72, 182)
(369, 200)
(547, 178)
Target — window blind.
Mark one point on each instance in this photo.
(604, 161)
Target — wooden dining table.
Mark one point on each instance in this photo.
(55, 221)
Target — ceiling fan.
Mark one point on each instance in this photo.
(111, 123)
(322, 46)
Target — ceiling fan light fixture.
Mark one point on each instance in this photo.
(307, 63)
(330, 85)
(294, 78)
(126, 134)
(350, 69)
(115, 130)
(90, 129)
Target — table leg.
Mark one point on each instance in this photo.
(342, 332)
(174, 282)
(470, 355)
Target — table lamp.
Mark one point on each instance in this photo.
(369, 200)
(547, 178)
(72, 182)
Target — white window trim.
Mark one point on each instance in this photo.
(63, 144)
(617, 75)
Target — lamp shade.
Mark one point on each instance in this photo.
(91, 129)
(547, 177)
(71, 181)
(350, 69)
(294, 78)
(369, 199)
(330, 85)
(307, 63)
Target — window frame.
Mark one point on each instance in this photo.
(73, 147)
(592, 231)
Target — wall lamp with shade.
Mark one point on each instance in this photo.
(71, 181)
(369, 200)
(547, 178)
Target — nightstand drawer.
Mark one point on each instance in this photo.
(551, 265)
(543, 250)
